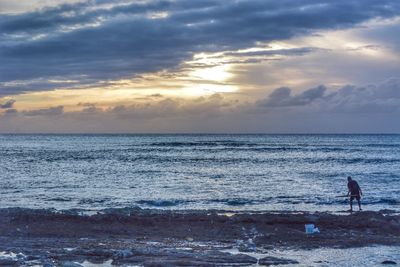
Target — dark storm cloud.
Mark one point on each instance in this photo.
(96, 42)
(7, 104)
(72, 15)
(42, 19)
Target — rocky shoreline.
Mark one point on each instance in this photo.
(180, 238)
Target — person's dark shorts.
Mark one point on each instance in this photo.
(358, 197)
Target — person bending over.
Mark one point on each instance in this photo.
(354, 192)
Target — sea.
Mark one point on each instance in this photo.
(231, 172)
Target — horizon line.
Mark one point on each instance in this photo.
(194, 133)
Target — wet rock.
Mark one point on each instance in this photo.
(8, 261)
(153, 251)
(70, 264)
(387, 262)
(312, 218)
(276, 261)
(227, 258)
(32, 257)
(395, 223)
(93, 254)
(150, 235)
(122, 254)
(98, 252)
(246, 246)
(48, 263)
(183, 258)
(21, 256)
(170, 263)
(387, 211)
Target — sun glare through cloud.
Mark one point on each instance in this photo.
(216, 74)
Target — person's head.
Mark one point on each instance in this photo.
(349, 178)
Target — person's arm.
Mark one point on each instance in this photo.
(348, 189)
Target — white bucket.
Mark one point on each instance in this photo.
(309, 228)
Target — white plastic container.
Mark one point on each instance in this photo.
(309, 228)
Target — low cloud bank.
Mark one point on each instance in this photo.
(372, 108)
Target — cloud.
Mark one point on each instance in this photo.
(52, 111)
(156, 95)
(375, 98)
(11, 111)
(99, 40)
(197, 108)
(15, 7)
(263, 54)
(370, 108)
(7, 104)
(273, 52)
(282, 97)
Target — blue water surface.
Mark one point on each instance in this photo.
(230, 172)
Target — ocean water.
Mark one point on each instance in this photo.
(229, 172)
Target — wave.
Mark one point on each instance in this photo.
(364, 201)
(221, 159)
(383, 145)
(202, 143)
(235, 202)
(388, 201)
(357, 160)
(245, 146)
(162, 203)
(90, 201)
(303, 200)
(59, 199)
(238, 201)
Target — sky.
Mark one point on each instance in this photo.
(204, 66)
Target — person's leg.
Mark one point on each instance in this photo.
(351, 203)
(359, 202)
